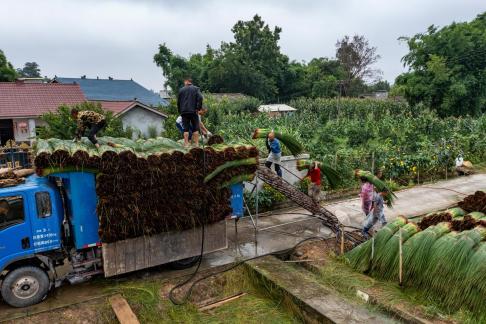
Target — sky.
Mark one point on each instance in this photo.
(119, 38)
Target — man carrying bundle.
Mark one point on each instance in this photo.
(377, 212)
(189, 102)
(88, 119)
(314, 174)
(275, 153)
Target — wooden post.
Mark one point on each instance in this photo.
(342, 239)
(418, 173)
(373, 162)
(372, 247)
(400, 260)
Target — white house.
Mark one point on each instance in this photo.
(276, 110)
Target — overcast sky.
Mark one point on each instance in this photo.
(119, 38)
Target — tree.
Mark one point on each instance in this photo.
(30, 70)
(447, 68)
(251, 64)
(356, 57)
(7, 71)
(60, 124)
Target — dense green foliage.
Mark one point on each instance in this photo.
(30, 70)
(447, 68)
(409, 143)
(7, 71)
(59, 124)
(253, 64)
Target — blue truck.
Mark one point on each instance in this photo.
(49, 235)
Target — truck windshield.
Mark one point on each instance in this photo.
(43, 202)
(11, 211)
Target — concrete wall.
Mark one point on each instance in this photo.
(141, 119)
(289, 163)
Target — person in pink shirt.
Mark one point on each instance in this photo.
(366, 195)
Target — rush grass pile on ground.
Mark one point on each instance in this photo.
(153, 186)
(444, 254)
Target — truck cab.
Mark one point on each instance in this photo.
(30, 222)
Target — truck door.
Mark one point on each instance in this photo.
(45, 222)
(15, 230)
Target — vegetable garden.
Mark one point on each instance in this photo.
(410, 144)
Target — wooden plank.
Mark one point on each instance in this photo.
(144, 252)
(130, 257)
(221, 302)
(109, 258)
(120, 257)
(122, 310)
(140, 254)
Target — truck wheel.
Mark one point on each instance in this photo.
(25, 286)
(184, 263)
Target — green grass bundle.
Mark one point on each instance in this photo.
(377, 183)
(238, 179)
(331, 174)
(438, 257)
(387, 257)
(474, 283)
(289, 141)
(460, 255)
(456, 212)
(230, 164)
(360, 257)
(416, 251)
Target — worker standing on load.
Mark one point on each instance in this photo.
(189, 103)
(88, 119)
(202, 127)
(377, 212)
(314, 175)
(275, 153)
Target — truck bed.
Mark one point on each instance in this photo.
(149, 251)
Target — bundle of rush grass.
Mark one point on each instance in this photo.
(360, 257)
(436, 218)
(475, 202)
(289, 141)
(380, 185)
(331, 174)
(152, 186)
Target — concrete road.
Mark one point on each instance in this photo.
(415, 201)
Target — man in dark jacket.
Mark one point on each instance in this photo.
(189, 102)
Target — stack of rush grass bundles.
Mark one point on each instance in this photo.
(152, 186)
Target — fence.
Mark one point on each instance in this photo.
(13, 155)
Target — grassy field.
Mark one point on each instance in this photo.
(149, 300)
